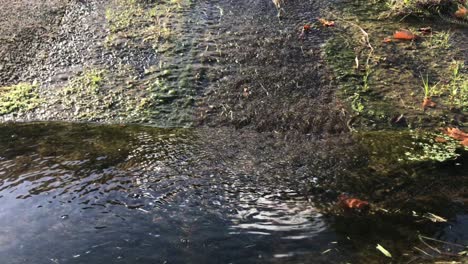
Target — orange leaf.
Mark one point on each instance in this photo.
(440, 140)
(465, 142)
(352, 203)
(427, 102)
(387, 40)
(404, 35)
(326, 23)
(456, 133)
(461, 12)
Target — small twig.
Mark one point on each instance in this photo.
(365, 39)
(440, 241)
(424, 252)
(435, 249)
(350, 122)
(429, 246)
(264, 89)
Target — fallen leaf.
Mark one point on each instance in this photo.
(427, 102)
(404, 35)
(465, 142)
(387, 40)
(456, 133)
(352, 203)
(384, 251)
(440, 140)
(461, 12)
(326, 23)
(306, 27)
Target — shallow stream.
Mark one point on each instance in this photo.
(246, 140)
(129, 194)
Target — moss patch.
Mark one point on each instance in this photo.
(22, 96)
(132, 19)
(89, 82)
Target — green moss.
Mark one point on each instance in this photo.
(123, 15)
(131, 19)
(89, 82)
(22, 96)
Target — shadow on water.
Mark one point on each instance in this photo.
(120, 194)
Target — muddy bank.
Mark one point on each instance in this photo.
(393, 82)
(274, 78)
(93, 61)
(131, 61)
(224, 64)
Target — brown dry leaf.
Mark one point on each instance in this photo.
(456, 133)
(440, 140)
(427, 102)
(326, 23)
(465, 142)
(387, 40)
(404, 35)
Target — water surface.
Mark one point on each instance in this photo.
(77, 193)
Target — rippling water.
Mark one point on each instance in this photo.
(89, 194)
(128, 194)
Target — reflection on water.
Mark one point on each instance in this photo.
(94, 194)
(286, 212)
